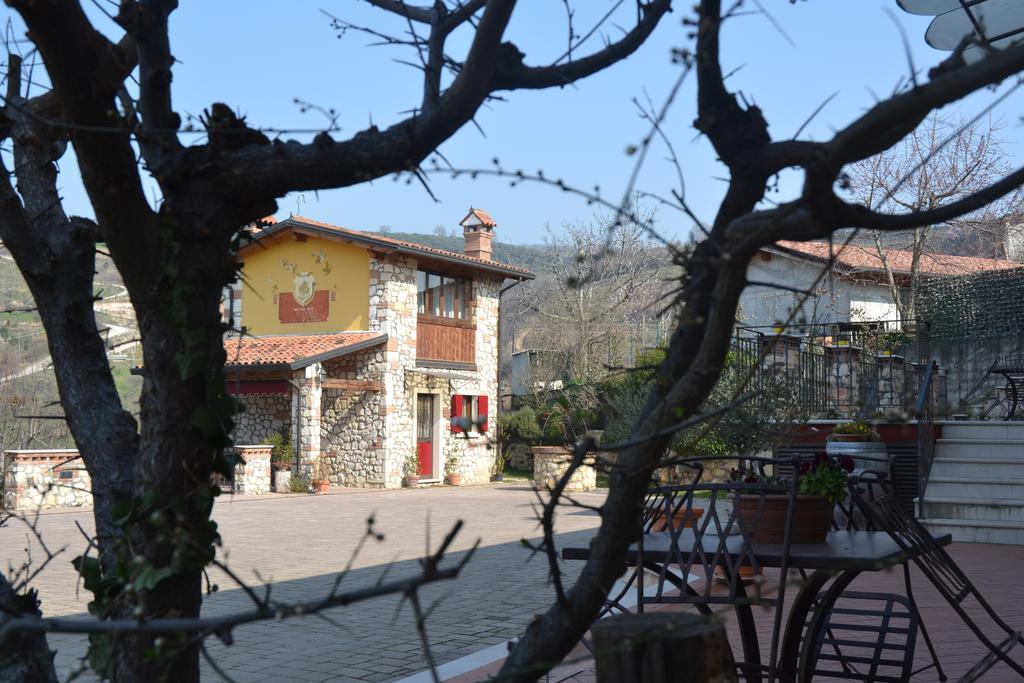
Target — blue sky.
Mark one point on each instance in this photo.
(259, 56)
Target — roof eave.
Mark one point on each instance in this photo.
(383, 245)
(337, 353)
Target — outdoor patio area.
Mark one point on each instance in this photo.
(299, 542)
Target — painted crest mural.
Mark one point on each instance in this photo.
(303, 288)
(304, 304)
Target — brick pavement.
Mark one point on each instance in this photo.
(994, 569)
(300, 542)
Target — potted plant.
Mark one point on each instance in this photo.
(854, 431)
(451, 471)
(320, 480)
(856, 439)
(411, 467)
(282, 457)
(822, 484)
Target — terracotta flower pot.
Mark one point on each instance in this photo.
(812, 518)
(320, 486)
(454, 478)
(681, 519)
(412, 481)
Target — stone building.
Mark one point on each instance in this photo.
(364, 349)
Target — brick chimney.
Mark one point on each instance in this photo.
(478, 231)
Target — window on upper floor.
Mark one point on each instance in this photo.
(442, 295)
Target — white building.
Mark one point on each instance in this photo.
(855, 289)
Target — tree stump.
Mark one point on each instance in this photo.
(662, 647)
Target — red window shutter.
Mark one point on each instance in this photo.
(456, 412)
(482, 406)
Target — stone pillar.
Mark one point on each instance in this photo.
(551, 462)
(253, 478)
(307, 427)
(781, 353)
(45, 479)
(891, 383)
(842, 374)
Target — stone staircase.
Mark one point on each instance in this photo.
(976, 488)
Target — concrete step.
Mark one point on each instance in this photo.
(946, 467)
(980, 448)
(972, 531)
(950, 507)
(979, 486)
(986, 429)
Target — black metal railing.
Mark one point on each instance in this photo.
(838, 369)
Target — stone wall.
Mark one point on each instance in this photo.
(57, 478)
(352, 424)
(473, 456)
(550, 463)
(393, 311)
(718, 471)
(253, 478)
(265, 415)
(45, 479)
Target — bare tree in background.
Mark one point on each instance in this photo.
(151, 478)
(606, 276)
(940, 162)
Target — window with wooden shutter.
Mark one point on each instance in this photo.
(457, 411)
(472, 410)
(482, 414)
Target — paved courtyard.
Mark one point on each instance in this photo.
(301, 542)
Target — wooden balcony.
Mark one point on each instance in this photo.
(444, 340)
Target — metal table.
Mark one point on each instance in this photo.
(843, 556)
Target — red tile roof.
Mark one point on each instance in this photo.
(858, 258)
(400, 245)
(296, 350)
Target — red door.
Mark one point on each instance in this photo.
(425, 434)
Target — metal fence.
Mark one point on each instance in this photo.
(840, 369)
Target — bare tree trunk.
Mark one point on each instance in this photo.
(25, 657)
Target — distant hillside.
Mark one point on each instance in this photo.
(27, 381)
(533, 257)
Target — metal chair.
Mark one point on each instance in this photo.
(719, 546)
(661, 507)
(868, 637)
(886, 514)
(862, 659)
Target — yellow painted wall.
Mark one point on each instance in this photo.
(272, 267)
